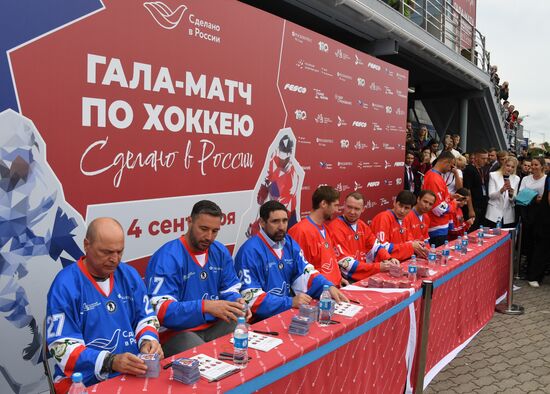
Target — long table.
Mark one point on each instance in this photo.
(372, 352)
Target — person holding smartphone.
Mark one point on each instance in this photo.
(503, 186)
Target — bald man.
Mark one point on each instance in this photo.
(99, 315)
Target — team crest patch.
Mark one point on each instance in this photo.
(203, 275)
(111, 306)
(249, 295)
(281, 266)
(356, 236)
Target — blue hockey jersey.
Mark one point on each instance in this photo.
(267, 279)
(84, 324)
(178, 285)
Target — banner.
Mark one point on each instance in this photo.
(467, 10)
(137, 110)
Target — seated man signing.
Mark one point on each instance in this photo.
(417, 221)
(313, 236)
(99, 316)
(360, 254)
(272, 267)
(193, 285)
(389, 227)
(459, 226)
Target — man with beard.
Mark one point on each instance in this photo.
(193, 285)
(359, 252)
(389, 227)
(273, 270)
(417, 221)
(313, 236)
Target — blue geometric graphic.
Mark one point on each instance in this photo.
(24, 20)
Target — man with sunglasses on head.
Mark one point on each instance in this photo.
(193, 285)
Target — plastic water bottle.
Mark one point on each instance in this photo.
(480, 236)
(465, 243)
(498, 228)
(325, 306)
(432, 255)
(458, 245)
(481, 229)
(445, 254)
(240, 343)
(77, 387)
(412, 269)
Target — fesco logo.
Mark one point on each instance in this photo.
(374, 66)
(358, 123)
(373, 184)
(295, 88)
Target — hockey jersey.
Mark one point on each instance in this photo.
(283, 183)
(357, 249)
(417, 225)
(268, 279)
(388, 228)
(318, 249)
(178, 285)
(439, 218)
(84, 324)
(457, 226)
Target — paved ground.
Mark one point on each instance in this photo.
(510, 355)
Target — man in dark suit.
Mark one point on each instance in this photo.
(474, 179)
(412, 178)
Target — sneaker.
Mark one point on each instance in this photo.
(534, 284)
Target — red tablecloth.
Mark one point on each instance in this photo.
(376, 357)
(371, 352)
(464, 300)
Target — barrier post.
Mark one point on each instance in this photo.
(427, 292)
(517, 260)
(510, 308)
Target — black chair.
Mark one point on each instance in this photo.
(45, 357)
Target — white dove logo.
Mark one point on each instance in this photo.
(280, 291)
(164, 16)
(106, 344)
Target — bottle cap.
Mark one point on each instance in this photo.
(77, 377)
(240, 319)
(325, 287)
(413, 256)
(433, 245)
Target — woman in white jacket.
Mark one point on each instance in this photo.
(503, 187)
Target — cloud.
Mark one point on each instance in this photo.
(516, 34)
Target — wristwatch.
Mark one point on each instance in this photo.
(107, 367)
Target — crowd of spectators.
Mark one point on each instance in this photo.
(510, 114)
(492, 185)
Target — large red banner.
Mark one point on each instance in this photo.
(143, 103)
